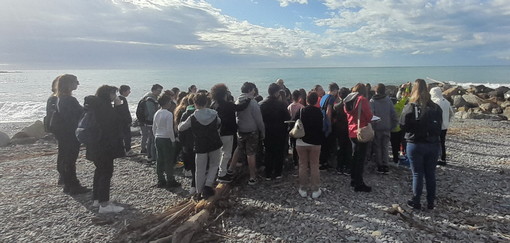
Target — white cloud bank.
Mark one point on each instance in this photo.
(123, 33)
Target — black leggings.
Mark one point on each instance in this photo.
(443, 144)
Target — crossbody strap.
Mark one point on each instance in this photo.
(359, 114)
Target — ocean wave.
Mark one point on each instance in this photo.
(22, 111)
(467, 84)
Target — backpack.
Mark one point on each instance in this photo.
(427, 122)
(326, 126)
(141, 111)
(88, 131)
(52, 120)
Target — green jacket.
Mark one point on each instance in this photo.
(399, 106)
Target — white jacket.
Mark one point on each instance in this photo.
(436, 95)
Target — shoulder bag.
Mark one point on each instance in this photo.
(298, 131)
(366, 133)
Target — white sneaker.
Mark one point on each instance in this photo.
(302, 192)
(110, 208)
(192, 190)
(316, 194)
(95, 203)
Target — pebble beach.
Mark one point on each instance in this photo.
(473, 203)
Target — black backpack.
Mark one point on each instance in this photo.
(427, 122)
(52, 119)
(141, 110)
(88, 131)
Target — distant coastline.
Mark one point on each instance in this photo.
(10, 71)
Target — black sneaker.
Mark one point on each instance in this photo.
(380, 169)
(362, 188)
(441, 162)
(225, 179)
(386, 169)
(172, 184)
(323, 167)
(76, 190)
(430, 206)
(347, 172)
(230, 172)
(208, 192)
(161, 184)
(413, 205)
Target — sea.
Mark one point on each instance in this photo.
(23, 93)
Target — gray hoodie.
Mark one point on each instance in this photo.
(204, 116)
(382, 107)
(250, 119)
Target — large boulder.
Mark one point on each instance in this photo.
(35, 130)
(391, 90)
(506, 113)
(4, 139)
(500, 91)
(479, 89)
(458, 101)
(457, 90)
(473, 100)
(488, 106)
(505, 105)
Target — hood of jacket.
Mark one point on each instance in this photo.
(205, 116)
(150, 95)
(243, 98)
(379, 96)
(350, 101)
(436, 94)
(91, 102)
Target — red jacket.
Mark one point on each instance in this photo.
(352, 101)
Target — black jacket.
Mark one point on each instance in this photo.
(311, 117)
(70, 112)
(274, 113)
(227, 114)
(125, 114)
(108, 119)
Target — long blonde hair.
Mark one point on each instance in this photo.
(65, 84)
(420, 94)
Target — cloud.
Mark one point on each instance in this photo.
(119, 32)
(285, 3)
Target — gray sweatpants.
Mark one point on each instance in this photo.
(380, 147)
(205, 176)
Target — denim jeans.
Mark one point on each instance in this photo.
(423, 159)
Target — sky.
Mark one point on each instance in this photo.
(60, 34)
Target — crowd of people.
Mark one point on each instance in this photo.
(214, 134)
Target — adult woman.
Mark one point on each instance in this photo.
(70, 112)
(309, 147)
(227, 114)
(352, 102)
(421, 121)
(108, 147)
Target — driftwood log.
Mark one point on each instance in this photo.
(178, 223)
